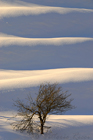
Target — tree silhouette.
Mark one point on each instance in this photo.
(50, 100)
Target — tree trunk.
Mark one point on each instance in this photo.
(42, 128)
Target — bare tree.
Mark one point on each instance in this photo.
(50, 100)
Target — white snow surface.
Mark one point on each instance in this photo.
(63, 127)
(11, 79)
(18, 9)
(7, 40)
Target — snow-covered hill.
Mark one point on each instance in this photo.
(23, 79)
(62, 128)
(47, 41)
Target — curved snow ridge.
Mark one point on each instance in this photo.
(73, 120)
(10, 79)
(64, 120)
(7, 40)
(12, 10)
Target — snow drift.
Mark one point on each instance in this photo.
(66, 127)
(7, 40)
(22, 79)
(23, 8)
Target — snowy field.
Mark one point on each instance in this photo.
(63, 127)
(47, 41)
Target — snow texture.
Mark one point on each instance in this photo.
(70, 127)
